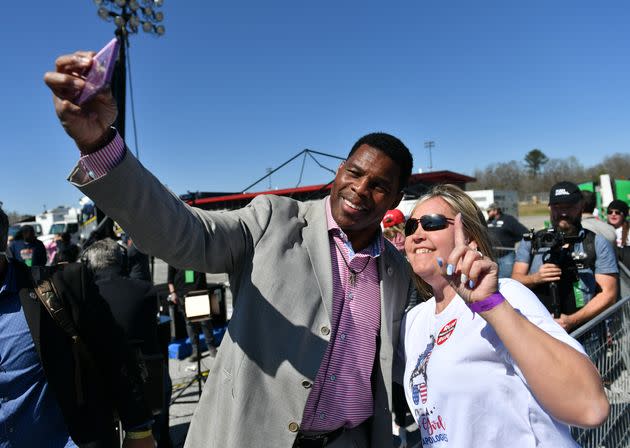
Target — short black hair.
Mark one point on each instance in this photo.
(394, 148)
(589, 201)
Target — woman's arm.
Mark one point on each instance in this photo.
(565, 381)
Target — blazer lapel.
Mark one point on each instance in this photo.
(318, 246)
(387, 288)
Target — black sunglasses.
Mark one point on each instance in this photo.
(429, 223)
(614, 212)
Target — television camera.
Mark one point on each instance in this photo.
(556, 247)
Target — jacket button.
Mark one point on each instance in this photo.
(294, 427)
(390, 271)
(306, 384)
(325, 330)
(32, 295)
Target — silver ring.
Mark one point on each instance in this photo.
(480, 253)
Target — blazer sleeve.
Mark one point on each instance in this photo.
(164, 226)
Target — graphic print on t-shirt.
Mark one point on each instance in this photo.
(418, 378)
(431, 425)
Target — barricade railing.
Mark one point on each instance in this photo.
(606, 340)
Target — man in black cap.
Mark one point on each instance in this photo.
(505, 231)
(572, 270)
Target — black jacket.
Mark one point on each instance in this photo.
(133, 303)
(111, 382)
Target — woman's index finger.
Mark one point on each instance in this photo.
(460, 236)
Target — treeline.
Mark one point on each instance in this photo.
(14, 216)
(531, 181)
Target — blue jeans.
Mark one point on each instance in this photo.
(505, 263)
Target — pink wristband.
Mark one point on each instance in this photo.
(487, 304)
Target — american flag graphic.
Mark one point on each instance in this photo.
(419, 380)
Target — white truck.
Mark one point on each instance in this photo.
(59, 220)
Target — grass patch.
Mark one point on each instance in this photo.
(533, 209)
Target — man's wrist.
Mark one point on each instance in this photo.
(100, 143)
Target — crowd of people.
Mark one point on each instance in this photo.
(333, 326)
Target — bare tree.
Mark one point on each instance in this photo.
(617, 165)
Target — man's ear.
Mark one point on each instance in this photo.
(397, 200)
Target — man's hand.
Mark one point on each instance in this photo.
(173, 298)
(89, 124)
(566, 321)
(548, 272)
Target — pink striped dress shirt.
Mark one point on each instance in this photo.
(99, 163)
(342, 391)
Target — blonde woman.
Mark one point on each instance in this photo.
(485, 363)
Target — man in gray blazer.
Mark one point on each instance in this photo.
(307, 358)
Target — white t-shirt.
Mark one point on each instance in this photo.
(461, 384)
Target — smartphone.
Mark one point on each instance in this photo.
(100, 74)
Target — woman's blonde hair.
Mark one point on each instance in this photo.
(475, 226)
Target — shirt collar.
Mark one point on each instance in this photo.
(374, 249)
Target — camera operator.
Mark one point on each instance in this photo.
(573, 271)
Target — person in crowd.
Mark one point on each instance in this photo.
(41, 405)
(180, 283)
(573, 271)
(134, 305)
(617, 213)
(393, 225)
(485, 364)
(319, 296)
(592, 222)
(138, 262)
(28, 249)
(66, 251)
(51, 248)
(505, 231)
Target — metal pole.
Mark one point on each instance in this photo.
(119, 82)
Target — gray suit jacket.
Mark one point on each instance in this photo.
(276, 252)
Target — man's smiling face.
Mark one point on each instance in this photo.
(365, 187)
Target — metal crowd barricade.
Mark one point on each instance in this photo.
(606, 340)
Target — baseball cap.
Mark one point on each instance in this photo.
(564, 193)
(393, 217)
(493, 206)
(619, 205)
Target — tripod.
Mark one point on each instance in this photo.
(199, 375)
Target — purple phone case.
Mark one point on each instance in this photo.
(100, 74)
